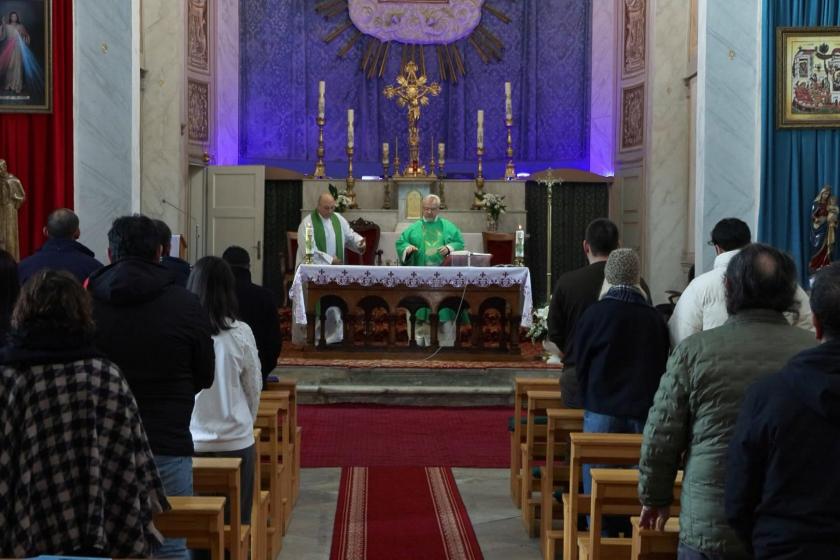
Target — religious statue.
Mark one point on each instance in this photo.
(824, 218)
(12, 196)
(411, 91)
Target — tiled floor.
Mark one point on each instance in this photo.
(485, 493)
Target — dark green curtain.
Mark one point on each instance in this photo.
(573, 206)
(795, 162)
(283, 201)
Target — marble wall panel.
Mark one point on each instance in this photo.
(728, 98)
(106, 139)
(668, 152)
(602, 98)
(227, 83)
(163, 162)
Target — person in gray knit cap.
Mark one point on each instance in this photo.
(621, 347)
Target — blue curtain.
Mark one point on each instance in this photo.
(795, 162)
(283, 56)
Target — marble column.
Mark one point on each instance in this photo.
(163, 156)
(227, 83)
(668, 152)
(728, 118)
(106, 114)
(602, 99)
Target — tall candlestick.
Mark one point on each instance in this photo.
(349, 128)
(397, 156)
(432, 159)
(441, 152)
(321, 100)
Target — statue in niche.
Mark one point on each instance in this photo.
(12, 196)
(824, 217)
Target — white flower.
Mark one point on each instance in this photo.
(539, 324)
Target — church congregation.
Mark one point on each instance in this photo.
(419, 279)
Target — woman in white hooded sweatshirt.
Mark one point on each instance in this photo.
(223, 418)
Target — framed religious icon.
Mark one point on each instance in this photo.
(25, 56)
(807, 77)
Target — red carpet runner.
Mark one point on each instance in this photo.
(401, 512)
(393, 436)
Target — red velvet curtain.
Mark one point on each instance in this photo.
(38, 148)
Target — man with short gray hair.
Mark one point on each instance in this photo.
(61, 251)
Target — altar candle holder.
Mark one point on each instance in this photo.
(351, 182)
(441, 183)
(519, 247)
(386, 204)
(320, 170)
(479, 181)
(510, 171)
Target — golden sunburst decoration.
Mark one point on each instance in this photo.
(375, 53)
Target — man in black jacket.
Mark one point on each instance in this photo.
(61, 251)
(159, 336)
(782, 489)
(257, 308)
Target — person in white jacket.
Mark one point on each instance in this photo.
(702, 306)
(223, 418)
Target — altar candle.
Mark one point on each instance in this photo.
(519, 246)
(349, 128)
(385, 149)
(508, 103)
(480, 131)
(321, 101)
(441, 150)
(308, 237)
(396, 148)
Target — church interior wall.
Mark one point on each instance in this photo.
(547, 59)
(106, 107)
(602, 99)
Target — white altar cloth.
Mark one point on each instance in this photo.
(412, 276)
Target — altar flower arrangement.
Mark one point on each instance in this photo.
(493, 204)
(342, 201)
(539, 324)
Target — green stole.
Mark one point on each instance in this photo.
(321, 236)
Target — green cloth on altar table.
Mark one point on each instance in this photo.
(429, 237)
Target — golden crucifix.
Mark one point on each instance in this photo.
(411, 91)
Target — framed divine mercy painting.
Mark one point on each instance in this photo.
(25, 56)
(807, 77)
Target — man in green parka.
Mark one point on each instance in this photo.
(428, 242)
(699, 397)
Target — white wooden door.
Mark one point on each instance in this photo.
(235, 211)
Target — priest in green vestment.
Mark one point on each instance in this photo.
(428, 242)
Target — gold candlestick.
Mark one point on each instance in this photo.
(386, 204)
(351, 182)
(510, 171)
(479, 181)
(320, 171)
(441, 184)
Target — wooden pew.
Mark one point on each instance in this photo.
(596, 449)
(614, 492)
(290, 385)
(534, 449)
(259, 513)
(199, 519)
(271, 470)
(555, 474)
(286, 448)
(220, 475)
(648, 544)
(521, 386)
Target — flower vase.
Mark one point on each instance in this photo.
(492, 223)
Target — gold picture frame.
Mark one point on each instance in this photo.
(26, 73)
(808, 77)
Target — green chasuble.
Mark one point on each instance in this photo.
(321, 235)
(429, 237)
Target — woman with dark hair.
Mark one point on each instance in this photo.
(223, 418)
(9, 289)
(78, 475)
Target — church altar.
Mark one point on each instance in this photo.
(412, 287)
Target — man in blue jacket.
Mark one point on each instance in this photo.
(61, 251)
(782, 489)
